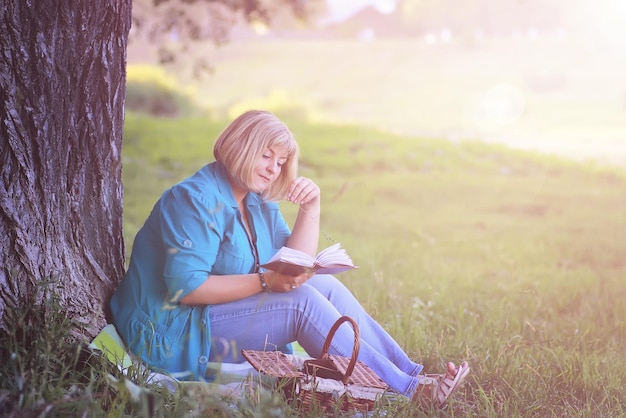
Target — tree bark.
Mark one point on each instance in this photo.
(62, 90)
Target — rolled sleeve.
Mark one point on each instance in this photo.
(190, 238)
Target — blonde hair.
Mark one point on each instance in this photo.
(243, 142)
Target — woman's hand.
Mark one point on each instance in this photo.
(278, 282)
(303, 191)
(306, 228)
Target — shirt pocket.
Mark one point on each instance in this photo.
(230, 259)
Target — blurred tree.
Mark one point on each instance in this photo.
(62, 92)
(174, 26)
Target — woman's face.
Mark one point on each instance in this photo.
(268, 168)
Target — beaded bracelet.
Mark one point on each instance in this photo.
(264, 286)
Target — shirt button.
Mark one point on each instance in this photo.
(203, 360)
(187, 243)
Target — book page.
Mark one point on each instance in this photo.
(331, 260)
(289, 255)
(333, 256)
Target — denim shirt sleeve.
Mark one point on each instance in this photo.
(190, 231)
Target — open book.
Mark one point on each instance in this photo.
(331, 260)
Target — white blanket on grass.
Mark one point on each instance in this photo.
(227, 377)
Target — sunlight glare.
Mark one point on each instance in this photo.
(384, 6)
(501, 105)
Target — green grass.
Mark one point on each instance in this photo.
(511, 260)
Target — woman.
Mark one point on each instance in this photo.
(194, 292)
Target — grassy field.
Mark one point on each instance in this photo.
(554, 95)
(514, 261)
(467, 249)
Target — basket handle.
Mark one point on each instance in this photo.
(355, 349)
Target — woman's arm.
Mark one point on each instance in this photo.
(227, 288)
(221, 289)
(306, 229)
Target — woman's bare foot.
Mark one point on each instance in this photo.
(436, 389)
(452, 370)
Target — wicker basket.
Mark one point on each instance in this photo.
(329, 383)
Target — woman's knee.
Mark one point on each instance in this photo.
(330, 287)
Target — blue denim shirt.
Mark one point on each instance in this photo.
(195, 230)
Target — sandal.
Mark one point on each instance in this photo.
(436, 389)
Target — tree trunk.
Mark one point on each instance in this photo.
(62, 90)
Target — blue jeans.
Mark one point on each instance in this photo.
(270, 320)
